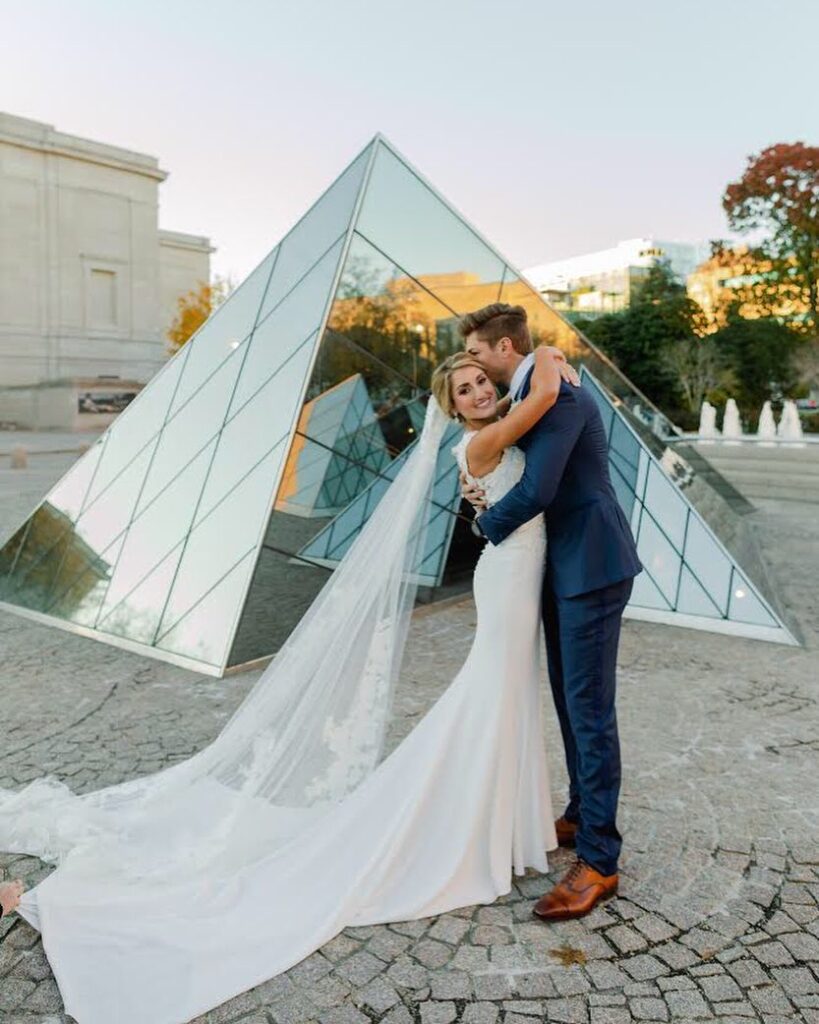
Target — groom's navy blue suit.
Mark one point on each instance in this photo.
(591, 560)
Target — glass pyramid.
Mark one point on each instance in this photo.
(201, 525)
(688, 577)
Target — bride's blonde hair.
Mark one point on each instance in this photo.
(442, 379)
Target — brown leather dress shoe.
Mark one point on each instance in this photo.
(566, 831)
(580, 889)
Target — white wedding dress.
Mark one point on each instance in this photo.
(441, 822)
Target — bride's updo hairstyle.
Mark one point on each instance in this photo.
(442, 380)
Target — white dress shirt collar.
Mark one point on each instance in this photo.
(519, 376)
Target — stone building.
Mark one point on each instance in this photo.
(88, 280)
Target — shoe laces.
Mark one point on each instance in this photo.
(574, 871)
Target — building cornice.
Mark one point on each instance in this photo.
(44, 138)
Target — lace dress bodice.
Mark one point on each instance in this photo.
(502, 478)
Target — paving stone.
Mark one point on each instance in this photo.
(387, 945)
(769, 999)
(534, 986)
(449, 929)
(719, 988)
(747, 973)
(490, 935)
(397, 1015)
(805, 948)
(626, 939)
(407, 974)
(654, 928)
(772, 954)
(676, 956)
(609, 1015)
(739, 1010)
(570, 981)
(643, 967)
(604, 975)
(437, 1013)
(569, 1011)
(492, 986)
(360, 968)
(431, 954)
(293, 1009)
(343, 1015)
(687, 1003)
(450, 985)
(648, 1009)
(796, 981)
(480, 1013)
(524, 1007)
(379, 995)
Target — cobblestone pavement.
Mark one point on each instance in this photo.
(718, 913)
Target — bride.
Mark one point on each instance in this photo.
(174, 892)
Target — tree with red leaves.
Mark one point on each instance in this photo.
(779, 194)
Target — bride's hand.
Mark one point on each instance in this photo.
(474, 495)
(567, 372)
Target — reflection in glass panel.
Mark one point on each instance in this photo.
(158, 529)
(692, 598)
(106, 519)
(223, 332)
(264, 420)
(646, 594)
(137, 615)
(667, 505)
(317, 230)
(285, 328)
(745, 605)
(330, 546)
(139, 423)
(82, 583)
(35, 554)
(383, 310)
(405, 219)
(193, 427)
(223, 538)
(549, 327)
(204, 633)
(69, 494)
(658, 557)
(708, 562)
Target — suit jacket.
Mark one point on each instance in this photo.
(589, 541)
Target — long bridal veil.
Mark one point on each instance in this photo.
(308, 733)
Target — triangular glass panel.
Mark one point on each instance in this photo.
(687, 572)
(205, 631)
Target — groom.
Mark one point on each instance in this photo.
(591, 560)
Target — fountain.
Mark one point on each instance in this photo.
(708, 422)
(766, 428)
(790, 426)
(731, 425)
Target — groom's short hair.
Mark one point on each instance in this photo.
(496, 321)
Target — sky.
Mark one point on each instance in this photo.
(556, 128)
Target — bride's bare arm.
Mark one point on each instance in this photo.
(488, 443)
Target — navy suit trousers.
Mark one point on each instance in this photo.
(582, 635)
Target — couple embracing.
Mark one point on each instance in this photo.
(179, 890)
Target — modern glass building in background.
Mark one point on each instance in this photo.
(202, 524)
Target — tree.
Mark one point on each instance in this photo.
(698, 370)
(194, 308)
(639, 338)
(779, 195)
(762, 355)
